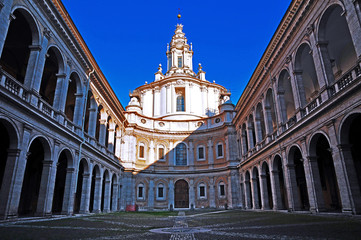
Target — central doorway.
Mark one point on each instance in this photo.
(181, 194)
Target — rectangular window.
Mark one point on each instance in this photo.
(202, 192)
(221, 190)
(201, 153)
(180, 62)
(160, 192)
(141, 151)
(219, 150)
(140, 192)
(161, 153)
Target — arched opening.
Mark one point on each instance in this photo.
(251, 132)
(320, 148)
(301, 196)
(351, 151)
(71, 96)
(99, 115)
(15, 54)
(4, 146)
(285, 96)
(59, 188)
(94, 189)
(83, 166)
(49, 79)
(244, 139)
(109, 120)
(270, 112)
(181, 194)
(280, 188)
(32, 177)
(257, 202)
(338, 51)
(181, 154)
(249, 198)
(267, 189)
(261, 129)
(306, 76)
(8, 142)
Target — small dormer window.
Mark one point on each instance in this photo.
(180, 62)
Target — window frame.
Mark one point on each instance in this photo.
(140, 185)
(161, 147)
(160, 185)
(221, 183)
(217, 150)
(185, 154)
(204, 153)
(199, 191)
(139, 151)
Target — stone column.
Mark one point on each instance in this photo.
(5, 11)
(35, 82)
(250, 138)
(210, 152)
(169, 99)
(151, 194)
(314, 187)
(326, 61)
(118, 142)
(345, 173)
(255, 193)
(291, 186)
(212, 193)
(69, 191)
(46, 190)
(354, 25)
(8, 180)
(248, 192)
(92, 124)
(97, 194)
(295, 89)
(171, 152)
(107, 191)
(157, 103)
(234, 193)
(85, 193)
(114, 206)
(264, 192)
(192, 194)
(300, 88)
(258, 129)
(102, 131)
(78, 109)
(111, 139)
(191, 154)
(170, 194)
(276, 190)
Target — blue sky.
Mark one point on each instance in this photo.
(128, 38)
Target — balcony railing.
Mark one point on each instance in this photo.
(12, 85)
(345, 80)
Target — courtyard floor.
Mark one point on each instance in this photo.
(206, 224)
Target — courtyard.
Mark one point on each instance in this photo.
(198, 224)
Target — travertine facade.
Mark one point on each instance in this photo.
(291, 142)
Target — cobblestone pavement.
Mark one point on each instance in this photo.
(205, 224)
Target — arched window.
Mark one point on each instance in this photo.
(161, 153)
(219, 150)
(180, 103)
(140, 191)
(141, 150)
(221, 189)
(181, 155)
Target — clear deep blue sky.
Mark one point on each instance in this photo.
(128, 38)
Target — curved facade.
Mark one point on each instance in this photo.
(291, 142)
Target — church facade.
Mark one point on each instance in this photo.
(292, 142)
